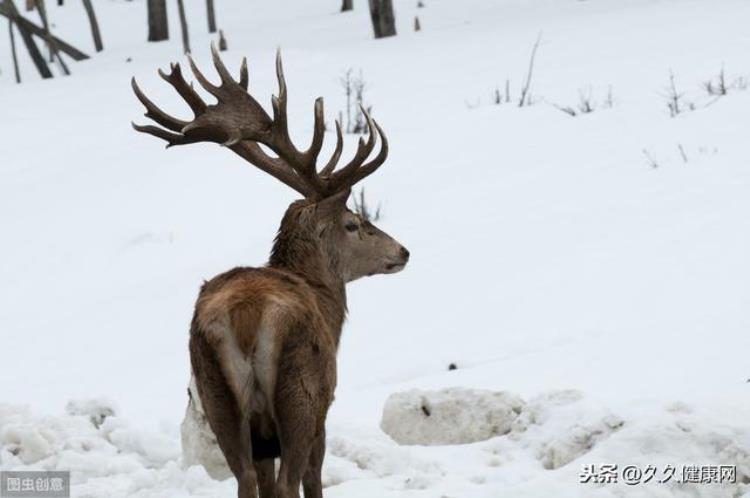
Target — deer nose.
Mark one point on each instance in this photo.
(404, 253)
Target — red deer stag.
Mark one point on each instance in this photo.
(263, 341)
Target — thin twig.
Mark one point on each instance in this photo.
(525, 91)
(651, 161)
(682, 153)
(566, 109)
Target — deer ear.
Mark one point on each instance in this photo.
(333, 204)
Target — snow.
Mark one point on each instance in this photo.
(96, 409)
(549, 258)
(199, 445)
(532, 459)
(449, 416)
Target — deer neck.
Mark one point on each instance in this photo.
(304, 257)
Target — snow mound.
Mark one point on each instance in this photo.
(97, 410)
(561, 426)
(550, 439)
(449, 416)
(86, 441)
(199, 445)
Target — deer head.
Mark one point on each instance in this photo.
(318, 233)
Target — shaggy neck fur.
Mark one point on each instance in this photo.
(298, 249)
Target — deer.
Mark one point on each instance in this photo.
(264, 340)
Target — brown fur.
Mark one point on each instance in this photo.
(263, 340)
(263, 345)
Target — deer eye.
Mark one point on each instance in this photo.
(351, 226)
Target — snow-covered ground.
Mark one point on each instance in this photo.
(550, 258)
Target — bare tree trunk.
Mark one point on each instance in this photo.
(41, 9)
(211, 16)
(53, 52)
(222, 41)
(28, 40)
(13, 50)
(94, 25)
(184, 26)
(158, 27)
(346, 5)
(24, 24)
(383, 19)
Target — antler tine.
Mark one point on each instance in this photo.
(244, 78)
(306, 159)
(155, 113)
(172, 139)
(226, 78)
(319, 131)
(186, 91)
(274, 166)
(355, 171)
(370, 167)
(280, 78)
(328, 168)
(210, 87)
(240, 123)
(372, 135)
(364, 149)
(278, 102)
(303, 163)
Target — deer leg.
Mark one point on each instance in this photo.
(224, 415)
(303, 394)
(296, 425)
(296, 436)
(247, 482)
(294, 459)
(266, 477)
(311, 482)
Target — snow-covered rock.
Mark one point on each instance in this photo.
(199, 446)
(449, 416)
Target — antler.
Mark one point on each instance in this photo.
(239, 122)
